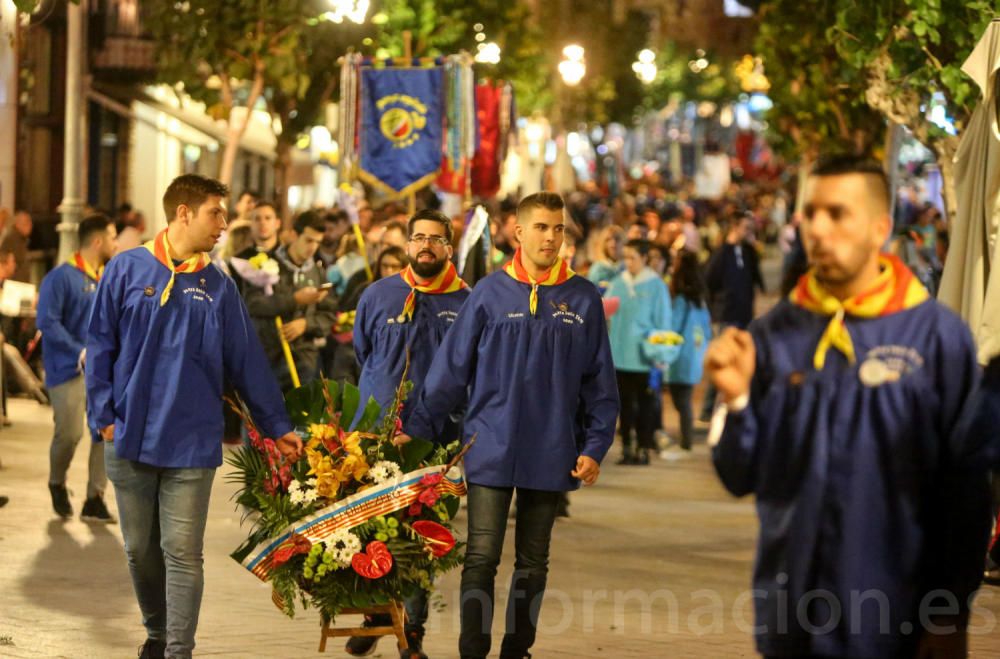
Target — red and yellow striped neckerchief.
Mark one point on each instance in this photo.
(447, 281)
(557, 274)
(81, 264)
(159, 247)
(895, 289)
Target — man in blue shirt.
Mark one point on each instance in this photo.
(844, 417)
(167, 328)
(408, 314)
(529, 353)
(64, 303)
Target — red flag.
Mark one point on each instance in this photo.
(486, 163)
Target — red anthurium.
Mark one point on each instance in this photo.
(439, 539)
(374, 562)
(294, 545)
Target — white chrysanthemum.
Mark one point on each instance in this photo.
(309, 495)
(385, 471)
(343, 545)
(294, 486)
(298, 496)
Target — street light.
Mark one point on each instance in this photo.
(353, 10)
(645, 66)
(572, 68)
(488, 53)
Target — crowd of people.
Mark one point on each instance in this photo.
(854, 400)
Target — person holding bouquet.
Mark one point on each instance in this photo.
(167, 327)
(644, 308)
(402, 316)
(529, 354)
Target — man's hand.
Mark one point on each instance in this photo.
(108, 433)
(953, 645)
(309, 295)
(400, 439)
(290, 446)
(587, 470)
(293, 329)
(731, 360)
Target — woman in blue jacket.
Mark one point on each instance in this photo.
(691, 320)
(644, 308)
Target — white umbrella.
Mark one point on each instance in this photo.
(970, 283)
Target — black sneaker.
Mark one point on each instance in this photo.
(415, 640)
(362, 646)
(60, 501)
(94, 510)
(152, 649)
(3, 501)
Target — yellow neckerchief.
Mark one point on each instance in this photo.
(159, 247)
(557, 274)
(81, 264)
(895, 289)
(447, 281)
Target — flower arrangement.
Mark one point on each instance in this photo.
(357, 522)
(261, 271)
(662, 347)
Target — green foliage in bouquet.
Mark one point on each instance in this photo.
(371, 554)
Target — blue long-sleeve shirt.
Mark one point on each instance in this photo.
(381, 342)
(865, 483)
(64, 303)
(156, 372)
(541, 389)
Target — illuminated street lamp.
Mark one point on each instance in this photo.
(488, 53)
(645, 66)
(353, 10)
(572, 68)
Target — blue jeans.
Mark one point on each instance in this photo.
(162, 515)
(487, 510)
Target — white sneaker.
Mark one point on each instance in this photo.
(663, 440)
(674, 453)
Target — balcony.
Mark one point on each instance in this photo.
(121, 51)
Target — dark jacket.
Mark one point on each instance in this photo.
(733, 272)
(265, 308)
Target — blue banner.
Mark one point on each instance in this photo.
(401, 119)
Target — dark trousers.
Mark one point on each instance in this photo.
(681, 396)
(638, 410)
(487, 511)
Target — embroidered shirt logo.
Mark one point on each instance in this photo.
(887, 364)
(562, 312)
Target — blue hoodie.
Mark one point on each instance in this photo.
(644, 308)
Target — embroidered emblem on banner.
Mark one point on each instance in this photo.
(402, 125)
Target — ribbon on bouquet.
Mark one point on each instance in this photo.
(355, 510)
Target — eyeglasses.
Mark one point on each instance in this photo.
(420, 239)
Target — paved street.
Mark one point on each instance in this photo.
(654, 562)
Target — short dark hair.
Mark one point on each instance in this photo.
(336, 216)
(264, 203)
(92, 224)
(309, 220)
(432, 216)
(191, 190)
(550, 201)
(252, 193)
(840, 164)
(640, 245)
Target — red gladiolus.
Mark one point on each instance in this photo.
(440, 541)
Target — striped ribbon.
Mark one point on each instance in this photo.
(81, 264)
(355, 510)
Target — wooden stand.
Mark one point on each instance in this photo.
(395, 611)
